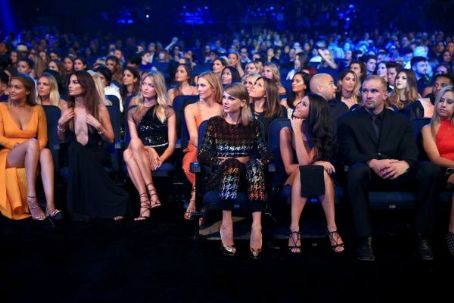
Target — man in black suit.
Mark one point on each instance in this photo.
(379, 147)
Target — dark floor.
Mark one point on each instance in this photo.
(158, 261)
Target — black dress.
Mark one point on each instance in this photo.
(91, 193)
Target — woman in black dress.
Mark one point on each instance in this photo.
(86, 126)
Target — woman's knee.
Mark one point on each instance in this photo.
(32, 145)
(127, 155)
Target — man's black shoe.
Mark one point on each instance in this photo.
(364, 251)
(423, 249)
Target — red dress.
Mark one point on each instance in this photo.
(445, 139)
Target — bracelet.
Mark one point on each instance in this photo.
(100, 131)
(60, 129)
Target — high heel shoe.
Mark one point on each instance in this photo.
(191, 206)
(154, 199)
(35, 210)
(54, 214)
(294, 246)
(227, 250)
(256, 253)
(335, 240)
(145, 208)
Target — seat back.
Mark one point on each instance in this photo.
(115, 148)
(179, 104)
(53, 142)
(417, 125)
(274, 130)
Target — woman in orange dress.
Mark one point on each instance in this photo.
(23, 134)
(210, 91)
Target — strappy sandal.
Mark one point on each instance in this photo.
(334, 237)
(154, 199)
(191, 206)
(54, 214)
(450, 242)
(144, 208)
(34, 209)
(295, 248)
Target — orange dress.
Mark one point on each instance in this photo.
(13, 186)
(191, 152)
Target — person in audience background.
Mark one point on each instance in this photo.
(271, 71)
(264, 96)
(47, 92)
(300, 83)
(234, 148)
(209, 105)
(183, 79)
(379, 148)
(438, 142)
(229, 76)
(348, 89)
(131, 85)
(23, 135)
(405, 97)
(309, 141)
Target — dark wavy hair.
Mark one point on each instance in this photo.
(92, 99)
(319, 129)
(306, 79)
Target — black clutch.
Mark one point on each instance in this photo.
(312, 181)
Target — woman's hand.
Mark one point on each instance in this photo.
(67, 115)
(296, 123)
(155, 160)
(327, 166)
(93, 121)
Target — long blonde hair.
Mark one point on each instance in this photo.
(215, 83)
(162, 98)
(54, 95)
(239, 91)
(435, 121)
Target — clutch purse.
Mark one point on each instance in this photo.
(312, 180)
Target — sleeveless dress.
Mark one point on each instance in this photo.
(152, 132)
(445, 139)
(191, 152)
(13, 186)
(91, 193)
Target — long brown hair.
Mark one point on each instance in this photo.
(239, 91)
(435, 121)
(29, 86)
(91, 97)
(410, 92)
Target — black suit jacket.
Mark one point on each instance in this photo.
(358, 142)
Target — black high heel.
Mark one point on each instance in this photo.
(334, 236)
(55, 214)
(295, 248)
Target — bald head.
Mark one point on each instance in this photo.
(323, 85)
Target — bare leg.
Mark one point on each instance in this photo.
(298, 203)
(26, 155)
(226, 232)
(137, 180)
(328, 207)
(47, 177)
(256, 234)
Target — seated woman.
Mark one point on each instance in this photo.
(230, 145)
(405, 97)
(48, 92)
(309, 142)
(208, 106)
(348, 89)
(230, 75)
(271, 71)
(300, 82)
(265, 103)
(23, 135)
(183, 79)
(86, 126)
(152, 126)
(438, 142)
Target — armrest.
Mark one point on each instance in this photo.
(195, 167)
